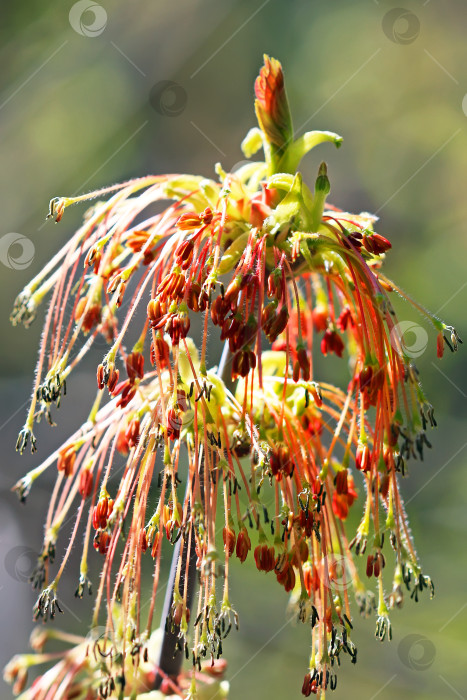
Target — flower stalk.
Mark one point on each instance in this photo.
(273, 459)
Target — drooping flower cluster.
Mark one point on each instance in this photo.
(282, 277)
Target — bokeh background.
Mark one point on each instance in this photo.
(94, 94)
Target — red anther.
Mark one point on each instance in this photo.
(311, 578)
(265, 557)
(177, 326)
(243, 544)
(250, 280)
(233, 290)
(157, 309)
(344, 495)
(440, 345)
(160, 352)
(230, 538)
(300, 553)
(384, 485)
(193, 296)
(275, 287)
(296, 372)
(393, 435)
(144, 541)
(369, 565)
(332, 342)
(345, 319)
(122, 443)
(113, 378)
(101, 542)
(102, 511)
(376, 244)
(188, 221)
(365, 377)
(341, 481)
(287, 577)
(93, 258)
(275, 326)
(230, 326)
(66, 459)
(91, 318)
(219, 310)
(172, 287)
(363, 458)
(174, 423)
(184, 253)
(206, 216)
(320, 316)
(135, 365)
(86, 482)
(100, 377)
(376, 565)
(353, 239)
(132, 432)
(137, 239)
(306, 521)
(303, 360)
(309, 686)
(243, 361)
(280, 462)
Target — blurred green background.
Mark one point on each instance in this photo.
(84, 102)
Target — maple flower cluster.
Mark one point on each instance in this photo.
(283, 277)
